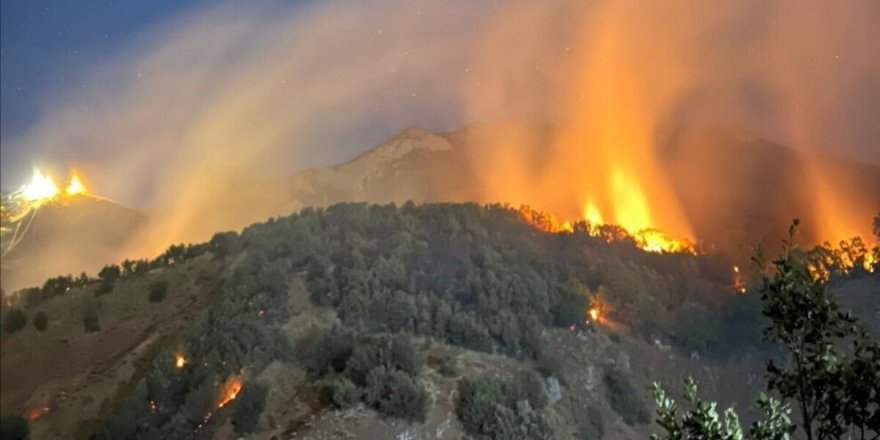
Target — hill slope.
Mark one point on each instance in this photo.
(65, 235)
(362, 321)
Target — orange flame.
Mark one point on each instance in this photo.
(75, 187)
(41, 187)
(594, 313)
(179, 360)
(35, 413)
(648, 239)
(230, 390)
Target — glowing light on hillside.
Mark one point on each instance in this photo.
(75, 187)
(594, 314)
(40, 188)
(230, 390)
(35, 413)
(179, 360)
(648, 239)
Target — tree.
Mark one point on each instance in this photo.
(704, 422)
(13, 427)
(835, 389)
(15, 320)
(41, 321)
(109, 273)
(249, 407)
(158, 289)
(809, 324)
(624, 398)
(91, 322)
(877, 226)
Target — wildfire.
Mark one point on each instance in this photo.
(35, 413)
(75, 187)
(847, 257)
(41, 187)
(230, 390)
(738, 284)
(179, 360)
(648, 239)
(594, 314)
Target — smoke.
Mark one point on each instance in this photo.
(194, 122)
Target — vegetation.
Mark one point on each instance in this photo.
(498, 408)
(13, 427)
(158, 290)
(382, 372)
(591, 427)
(477, 277)
(624, 398)
(14, 320)
(830, 372)
(41, 321)
(248, 407)
(91, 321)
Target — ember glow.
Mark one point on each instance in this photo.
(33, 414)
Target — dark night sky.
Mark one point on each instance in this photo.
(46, 44)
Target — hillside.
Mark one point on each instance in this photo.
(726, 213)
(364, 321)
(727, 216)
(65, 235)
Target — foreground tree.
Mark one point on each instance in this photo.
(831, 371)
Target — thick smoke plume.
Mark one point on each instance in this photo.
(196, 120)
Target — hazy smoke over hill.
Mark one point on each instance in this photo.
(187, 122)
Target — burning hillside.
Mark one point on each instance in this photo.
(50, 230)
(648, 239)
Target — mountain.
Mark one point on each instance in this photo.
(68, 234)
(736, 189)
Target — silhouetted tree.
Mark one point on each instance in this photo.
(41, 321)
(91, 322)
(14, 320)
(158, 290)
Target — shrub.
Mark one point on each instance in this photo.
(497, 408)
(158, 289)
(591, 427)
(624, 398)
(395, 393)
(345, 393)
(104, 288)
(330, 351)
(15, 320)
(91, 322)
(41, 321)
(249, 407)
(13, 427)
(448, 366)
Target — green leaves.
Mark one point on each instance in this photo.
(703, 421)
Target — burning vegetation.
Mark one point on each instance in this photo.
(179, 361)
(41, 189)
(647, 239)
